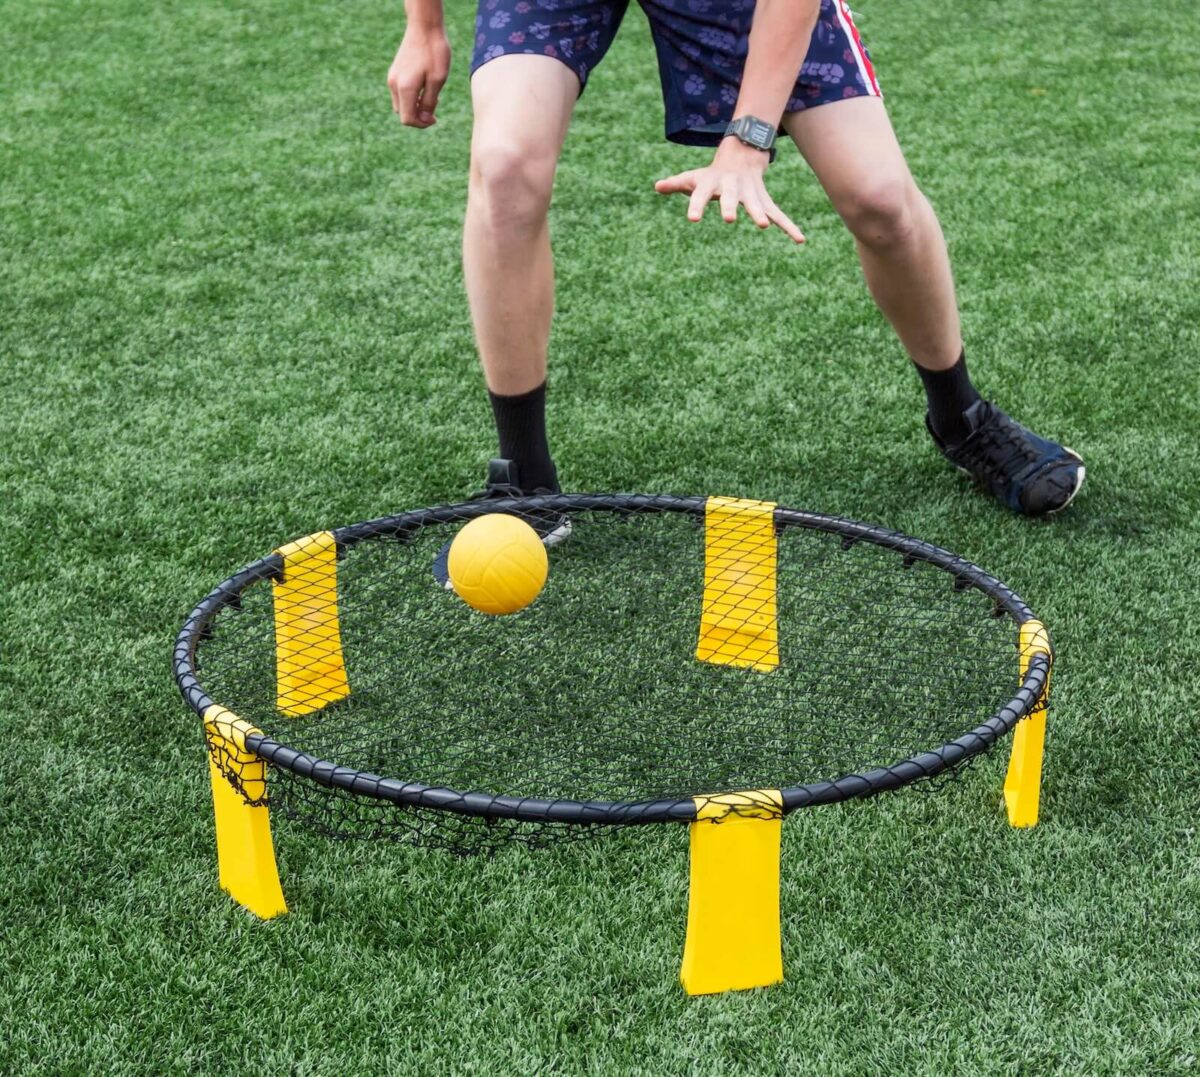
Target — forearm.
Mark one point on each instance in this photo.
(779, 40)
(424, 14)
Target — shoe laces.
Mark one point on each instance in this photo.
(1000, 448)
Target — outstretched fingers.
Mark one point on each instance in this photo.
(704, 185)
(755, 209)
(730, 200)
(682, 183)
(703, 193)
(783, 222)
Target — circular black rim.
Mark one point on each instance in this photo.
(415, 794)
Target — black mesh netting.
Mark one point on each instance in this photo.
(594, 693)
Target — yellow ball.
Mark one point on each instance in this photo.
(497, 564)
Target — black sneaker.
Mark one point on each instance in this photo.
(1027, 473)
(502, 481)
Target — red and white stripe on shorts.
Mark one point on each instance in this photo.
(856, 46)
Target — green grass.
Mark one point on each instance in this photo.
(231, 312)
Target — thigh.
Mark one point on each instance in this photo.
(851, 147)
(522, 105)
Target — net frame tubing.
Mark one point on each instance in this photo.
(614, 813)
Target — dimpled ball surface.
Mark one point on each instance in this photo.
(498, 564)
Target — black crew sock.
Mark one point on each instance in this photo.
(521, 426)
(949, 393)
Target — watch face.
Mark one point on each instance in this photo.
(753, 131)
(760, 134)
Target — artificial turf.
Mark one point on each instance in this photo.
(232, 313)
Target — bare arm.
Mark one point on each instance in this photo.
(422, 63)
(779, 39)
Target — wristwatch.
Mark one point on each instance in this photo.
(753, 132)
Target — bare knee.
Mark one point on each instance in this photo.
(511, 185)
(882, 213)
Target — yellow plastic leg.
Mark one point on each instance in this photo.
(739, 620)
(1023, 783)
(309, 669)
(245, 853)
(733, 901)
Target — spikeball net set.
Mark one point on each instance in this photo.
(707, 661)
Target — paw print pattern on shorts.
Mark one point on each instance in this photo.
(702, 46)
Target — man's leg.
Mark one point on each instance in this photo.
(523, 106)
(853, 151)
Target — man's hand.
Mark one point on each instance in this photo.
(418, 74)
(735, 178)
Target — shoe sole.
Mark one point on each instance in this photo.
(559, 535)
(1080, 475)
